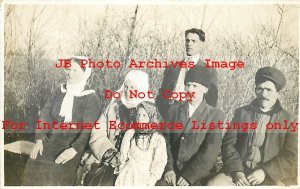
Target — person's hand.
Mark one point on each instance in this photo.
(108, 154)
(257, 177)
(239, 179)
(182, 182)
(115, 161)
(37, 148)
(170, 178)
(65, 156)
(111, 157)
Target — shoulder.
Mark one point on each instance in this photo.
(92, 95)
(129, 134)
(91, 98)
(170, 71)
(173, 111)
(110, 109)
(243, 110)
(214, 111)
(286, 115)
(175, 108)
(57, 91)
(112, 104)
(158, 138)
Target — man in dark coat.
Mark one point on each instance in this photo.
(264, 156)
(174, 77)
(192, 153)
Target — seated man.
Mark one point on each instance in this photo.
(261, 156)
(192, 154)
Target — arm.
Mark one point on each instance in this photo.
(99, 142)
(230, 156)
(280, 167)
(160, 101)
(204, 160)
(41, 135)
(125, 147)
(167, 135)
(90, 115)
(163, 85)
(45, 116)
(159, 162)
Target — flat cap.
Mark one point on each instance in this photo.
(272, 74)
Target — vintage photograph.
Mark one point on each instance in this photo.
(167, 93)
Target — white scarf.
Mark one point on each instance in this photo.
(141, 80)
(72, 90)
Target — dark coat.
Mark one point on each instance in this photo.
(193, 153)
(169, 83)
(279, 151)
(44, 170)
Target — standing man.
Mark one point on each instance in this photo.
(174, 77)
(261, 156)
(192, 154)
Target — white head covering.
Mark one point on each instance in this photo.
(72, 90)
(141, 80)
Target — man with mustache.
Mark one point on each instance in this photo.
(261, 156)
(174, 77)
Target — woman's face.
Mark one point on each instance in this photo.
(74, 73)
(129, 86)
(142, 116)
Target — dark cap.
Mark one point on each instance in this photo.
(202, 75)
(271, 74)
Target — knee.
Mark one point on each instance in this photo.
(161, 182)
(213, 181)
(219, 180)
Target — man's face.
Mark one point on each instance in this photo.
(192, 44)
(267, 95)
(199, 90)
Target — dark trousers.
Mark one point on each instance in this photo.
(47, 173)
(201, 182)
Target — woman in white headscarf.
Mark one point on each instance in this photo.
(56, 154)
(105, 142)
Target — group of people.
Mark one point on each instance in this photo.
(148, 157)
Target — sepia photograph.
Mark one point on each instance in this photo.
(149, 93)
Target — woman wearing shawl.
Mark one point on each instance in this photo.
(56, 155)
(143, 152)
(105, 142)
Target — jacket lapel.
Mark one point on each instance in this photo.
(183, 118)
(249, 118)
(272, 135)
(199, 115)
(174, 78)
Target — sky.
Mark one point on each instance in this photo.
(59, 23)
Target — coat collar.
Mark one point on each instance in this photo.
(254, 106)
(199, 114)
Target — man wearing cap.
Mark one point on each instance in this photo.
(192, 154)
(261, 156)
(174, 77)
